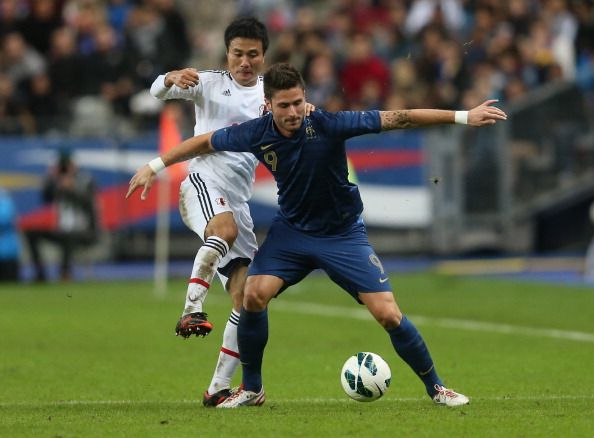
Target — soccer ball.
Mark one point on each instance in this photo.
(365, 377)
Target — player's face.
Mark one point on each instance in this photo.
(288, 109)
(245, 59)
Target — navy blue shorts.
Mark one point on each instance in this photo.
(348, 258)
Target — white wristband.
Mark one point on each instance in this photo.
(461, 117)
(156, 165)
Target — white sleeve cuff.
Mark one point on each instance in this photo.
(158, 88)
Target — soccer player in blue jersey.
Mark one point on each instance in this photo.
(319, 221)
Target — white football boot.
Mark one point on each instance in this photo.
(244, 398)
(448, 397)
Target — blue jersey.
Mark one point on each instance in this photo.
(310, 167)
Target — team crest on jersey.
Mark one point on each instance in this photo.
(221, 201)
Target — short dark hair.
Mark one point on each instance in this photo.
(247, 27)
(281, 76)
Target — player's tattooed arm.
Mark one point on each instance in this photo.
(395, 120)
(413, 118)
(481, 115)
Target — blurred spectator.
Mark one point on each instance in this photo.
(107, 70)
(18, 61)
(65, 67)
(44, 18)
(11, 16)
(175, 33)
(83, 17)
(42, 103)
(364, 76)
(321, 80)
(15, 119)
(584, 44)
(520, 15)
(285, 49)
(9, 241)
(72, 192)
(152, 44)
(408, 90)
(117, 15)
(444, 13)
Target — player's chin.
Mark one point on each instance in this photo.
(293, 125)
(245, 77)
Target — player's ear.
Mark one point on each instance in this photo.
(268, 104)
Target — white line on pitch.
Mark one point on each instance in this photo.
(317, 400)
(462, 324)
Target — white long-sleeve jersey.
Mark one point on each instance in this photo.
(219, 102)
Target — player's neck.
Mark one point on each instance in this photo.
(251, 83)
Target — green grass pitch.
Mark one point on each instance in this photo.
(101, 359)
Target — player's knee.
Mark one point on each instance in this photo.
(389, 319)
(224, 227)
(254, 301)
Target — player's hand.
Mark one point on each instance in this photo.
(485, 114)
(186, 78)
(143, 178)
(309, 108)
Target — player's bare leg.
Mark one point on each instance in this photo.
(219, 235)
(410, 346)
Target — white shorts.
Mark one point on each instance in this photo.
(200, 199)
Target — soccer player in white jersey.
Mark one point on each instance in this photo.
(213, 197)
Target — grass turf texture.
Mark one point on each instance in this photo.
(100, 359)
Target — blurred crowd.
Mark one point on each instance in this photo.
(75, 63)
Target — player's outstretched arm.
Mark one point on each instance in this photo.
(483, 114)
(145, 176)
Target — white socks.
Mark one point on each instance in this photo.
(228, 357)
(205, 266)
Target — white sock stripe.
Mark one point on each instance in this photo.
(217, 244)
(203, 196)
(219, 240)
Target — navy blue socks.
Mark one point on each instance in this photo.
(252, 336)
(411, 347)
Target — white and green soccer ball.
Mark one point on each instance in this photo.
(365, 377)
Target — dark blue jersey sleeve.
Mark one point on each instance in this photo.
(346, 124)
(234, 138)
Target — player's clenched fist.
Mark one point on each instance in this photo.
(188, 77)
